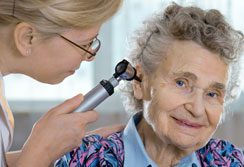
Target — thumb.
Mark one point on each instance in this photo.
(69, 105)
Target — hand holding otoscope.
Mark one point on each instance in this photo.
(123, 71)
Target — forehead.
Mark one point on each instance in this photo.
(187, 57)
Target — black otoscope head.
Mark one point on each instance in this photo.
(125, 71)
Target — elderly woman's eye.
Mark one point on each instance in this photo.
(181, 83)
(213, 94)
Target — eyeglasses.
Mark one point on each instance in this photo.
(94, 46)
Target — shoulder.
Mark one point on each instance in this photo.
(220, 152)
(114, 138)
(96, 151)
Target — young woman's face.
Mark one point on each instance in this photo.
(186, 95)
(56, 58)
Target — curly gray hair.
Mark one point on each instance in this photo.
(207, 28)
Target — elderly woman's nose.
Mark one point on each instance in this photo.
(196, 105)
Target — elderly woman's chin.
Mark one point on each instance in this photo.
(183, 140)
(182, 134)
(188, 143)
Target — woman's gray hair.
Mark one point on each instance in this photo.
(207, 28)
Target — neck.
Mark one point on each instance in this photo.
(162, 153)
(10, 62)
(3, 60)
(8, 56)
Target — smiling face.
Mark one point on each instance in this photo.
(186, 93)
(54, 59)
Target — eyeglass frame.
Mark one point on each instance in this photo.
(75, 44)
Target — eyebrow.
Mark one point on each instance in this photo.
(218, 86)
(186, 75)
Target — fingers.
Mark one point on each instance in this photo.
(106, 131)
(69, 105)
(87, 117)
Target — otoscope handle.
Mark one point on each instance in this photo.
(97, 95)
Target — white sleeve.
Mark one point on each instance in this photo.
(2, 152)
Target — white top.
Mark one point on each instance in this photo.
(6, 124)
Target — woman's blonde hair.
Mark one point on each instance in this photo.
(52, 16)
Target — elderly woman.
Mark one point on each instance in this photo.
(188, 61)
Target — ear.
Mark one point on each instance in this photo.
(23, 37)
(137, 86)
(141, 88)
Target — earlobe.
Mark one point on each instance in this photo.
(137, 86)
(23, 37)
(141, 89)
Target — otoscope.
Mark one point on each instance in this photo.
(123, 71)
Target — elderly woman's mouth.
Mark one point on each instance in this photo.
(187, 123)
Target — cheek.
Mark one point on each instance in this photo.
(214, 117)
(53, 63)
(157, 111)
(62, 57)
(167, 100)
(157, 116)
